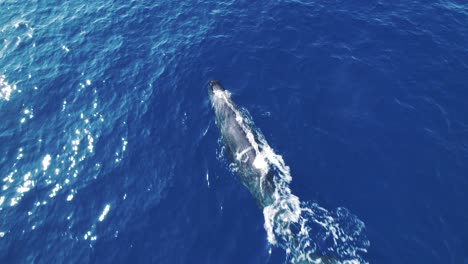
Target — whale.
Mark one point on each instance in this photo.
(242, 146)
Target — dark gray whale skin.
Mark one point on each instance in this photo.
(238, 147)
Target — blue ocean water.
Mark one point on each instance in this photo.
(109, 151)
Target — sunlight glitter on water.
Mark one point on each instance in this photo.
(55, 190)
(104, 213)
(80, 138)
(6, 89)
(119, 154)
(89, 235)
(27, 184)
(46, 162)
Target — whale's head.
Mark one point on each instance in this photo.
(215, 85)
(220, 100)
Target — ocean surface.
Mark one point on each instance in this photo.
(109, 151)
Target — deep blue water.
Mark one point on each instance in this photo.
(110, 153)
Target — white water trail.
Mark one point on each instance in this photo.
(305, 230)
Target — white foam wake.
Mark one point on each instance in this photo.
(305, 230)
